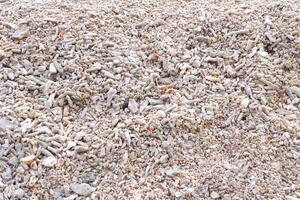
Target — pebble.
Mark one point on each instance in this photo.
(56, 192)
(164, 159)
(133, 106)
(43, 129)
(296, 90)
(214, 195)
(178, 194)
(20, 34)
(172, 52)
(28, 159)
(6, 124)
(13, 161)
(82, 189)
(49, 161)
(7, 174)
(154, 57)
(245, 102)
(160, 114)
(110, 95)
(11, 76)
(71, 197)
(171, 171)
(229, 166)
(52, 69)
(263, 53)
(248, 91)
(19, 193)
(277, 61)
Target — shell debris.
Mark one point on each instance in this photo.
(163, 99)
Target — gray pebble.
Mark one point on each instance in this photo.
(19, 193)
(7, 174)
(6, 124)
(20, 34)
(83, 189)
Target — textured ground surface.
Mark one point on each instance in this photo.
(149, 99)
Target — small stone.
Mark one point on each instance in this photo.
(230, 167)
(248, 91)
(52, 69)
(56, 192)
(292, 198)
(19, 193)
(263, 53)
(164, 159)
(245, 102)
(13, 161)
(7, 174)
(44, 129)
(2, 54)
(49, 161)
(178, 194)
(214, 195)
(28, 159)
(216, 72)
(81, 149)
(154, 57)
(6, 124)
(277, 61)
(172, 171)
(110, 95)
(296, 90)
(227, 197)
(71, 197)
(70, 144)
(20, 34)
(79, 136)
(160, 114)
(11, 76)
(82, 189)
(20, 170)
(277, 166)
(132, 106)
(41, 68)
(172, 52)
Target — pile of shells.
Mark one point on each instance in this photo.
(149, 99)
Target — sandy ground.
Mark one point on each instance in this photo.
(149, 99)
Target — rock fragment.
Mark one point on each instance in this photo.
(133, 106)
(49, 161)
(19, 193)
(7, 174)
(28, 159)
(245, 102)
(6, 124)
(82, 189)
(20, 34)
(214, 195)
(52, 69)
